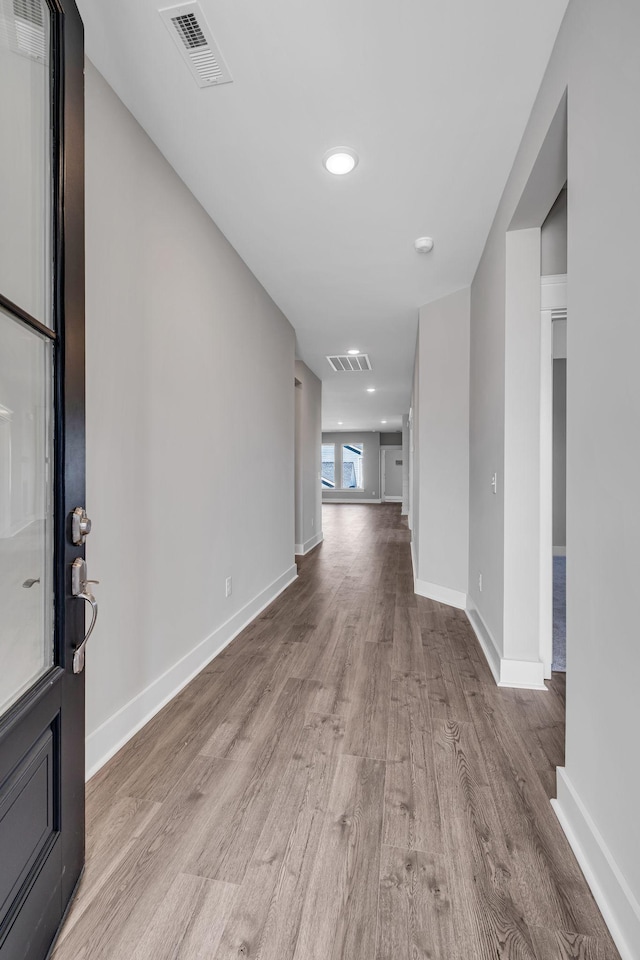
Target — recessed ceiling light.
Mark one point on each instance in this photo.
(371, 389)
(353, 353)
(340, 160)
(340, 422)
(383, 421)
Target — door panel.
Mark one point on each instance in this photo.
(42, 468)
(26, 817)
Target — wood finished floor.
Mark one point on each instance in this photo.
(344, 782)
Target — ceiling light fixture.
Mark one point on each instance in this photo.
(340, 422)
(371, 389)
(383, 421)
(340, 160)
(353, 353)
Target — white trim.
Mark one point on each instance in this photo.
(522, 674)
(433, 591)
(559, 551)
(553, 292)
(304, 548)
(618, 905)
(453, 598)
(485, 639)
(545, 616)
(110, 736)
(354, 500)
(393, 499)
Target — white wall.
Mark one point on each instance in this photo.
(441, 449)
(414, 459)
(308, 395)
(520, 476)
(553, 238)
(560, 453)
(405, 464)
(553, 262)
(181, 339)
(599, 789)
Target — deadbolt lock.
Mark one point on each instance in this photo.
(80, 526)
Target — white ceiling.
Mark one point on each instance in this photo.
(434, 97)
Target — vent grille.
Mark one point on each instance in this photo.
(30, 10)
(190, 30)
(194, 40)
(23, 28)
(347, 364)
(559, 314)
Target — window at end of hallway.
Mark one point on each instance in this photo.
(328, 466)
(352, 464)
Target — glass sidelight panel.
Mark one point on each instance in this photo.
(26, 521)
(352, 466)
(328, 466)
(25, 157)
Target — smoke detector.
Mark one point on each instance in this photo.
(194, 40)
(423, 245)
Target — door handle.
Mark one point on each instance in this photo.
(80, 588)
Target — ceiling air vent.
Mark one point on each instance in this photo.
(23, 28)
(350, 364)
(193, 38)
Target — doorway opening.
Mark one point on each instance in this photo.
(553, 433)
(391, 468)
(530, 312)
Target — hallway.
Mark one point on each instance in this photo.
(344, 782)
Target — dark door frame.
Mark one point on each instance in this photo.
(56, 701)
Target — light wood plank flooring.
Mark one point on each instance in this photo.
(344, 782)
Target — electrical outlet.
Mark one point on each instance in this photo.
(480, 582)
(494, 483)
(227, 587)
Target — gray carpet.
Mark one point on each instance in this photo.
(560, 614)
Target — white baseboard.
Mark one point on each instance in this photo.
(350, 500)
(303, 548)
(110, 736)
(523, 674)
(485, 639)
(393, 499)
(559, 551)
(618, 905)
(453, 598)
(526, 674)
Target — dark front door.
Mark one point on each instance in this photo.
(41, 470)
